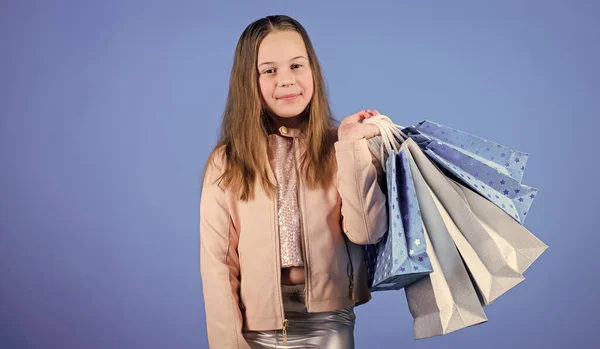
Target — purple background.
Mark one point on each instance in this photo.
(109, 109)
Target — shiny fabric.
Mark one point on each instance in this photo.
(288, 215)
(326, 330)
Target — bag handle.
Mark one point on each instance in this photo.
(390, 139)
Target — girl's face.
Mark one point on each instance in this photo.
(285, 77)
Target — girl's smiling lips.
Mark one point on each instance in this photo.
(289, 96)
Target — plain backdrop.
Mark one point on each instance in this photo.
(108, 111)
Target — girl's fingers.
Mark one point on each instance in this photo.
(356, 117)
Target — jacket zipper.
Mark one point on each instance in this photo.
(302, 227)
(350, 271)
(301, 203)
(300, 197)
(284, 331)
(278, 261)
(278, 264)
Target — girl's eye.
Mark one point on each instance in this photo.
(296, 66)
(269, 71)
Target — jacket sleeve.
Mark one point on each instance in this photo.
(364, 203)
(219, 267)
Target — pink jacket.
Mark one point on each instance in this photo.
(239, 246)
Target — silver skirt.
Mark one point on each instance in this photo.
(327, 330)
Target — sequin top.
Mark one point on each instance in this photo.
(283, 163)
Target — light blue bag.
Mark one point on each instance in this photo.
(493, 170)
(400, 258)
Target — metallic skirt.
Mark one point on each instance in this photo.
(326, 330)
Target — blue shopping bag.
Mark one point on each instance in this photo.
(400, 257)
(493, 170)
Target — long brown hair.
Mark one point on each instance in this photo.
(243, 139)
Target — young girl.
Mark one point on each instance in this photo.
(287, 199)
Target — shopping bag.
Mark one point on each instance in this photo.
(494, 154)
(492, 169)
(492, 274)
(478, 252)
(400, 257)
(445, 300)
(519, 247)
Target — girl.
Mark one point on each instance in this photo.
(287, 199)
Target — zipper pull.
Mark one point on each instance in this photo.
(351, 288)
(285, 327)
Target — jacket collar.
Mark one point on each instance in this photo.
(290, 132)
(287, 127)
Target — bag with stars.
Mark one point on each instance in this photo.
(491, 169)
(400, 257)
(478, 249)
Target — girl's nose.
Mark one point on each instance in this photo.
(286, 82)
(286, 79)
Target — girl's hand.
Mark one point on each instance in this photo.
(352, 128)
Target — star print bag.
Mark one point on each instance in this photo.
(492, 169)
(400, 257)
(478, 251)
